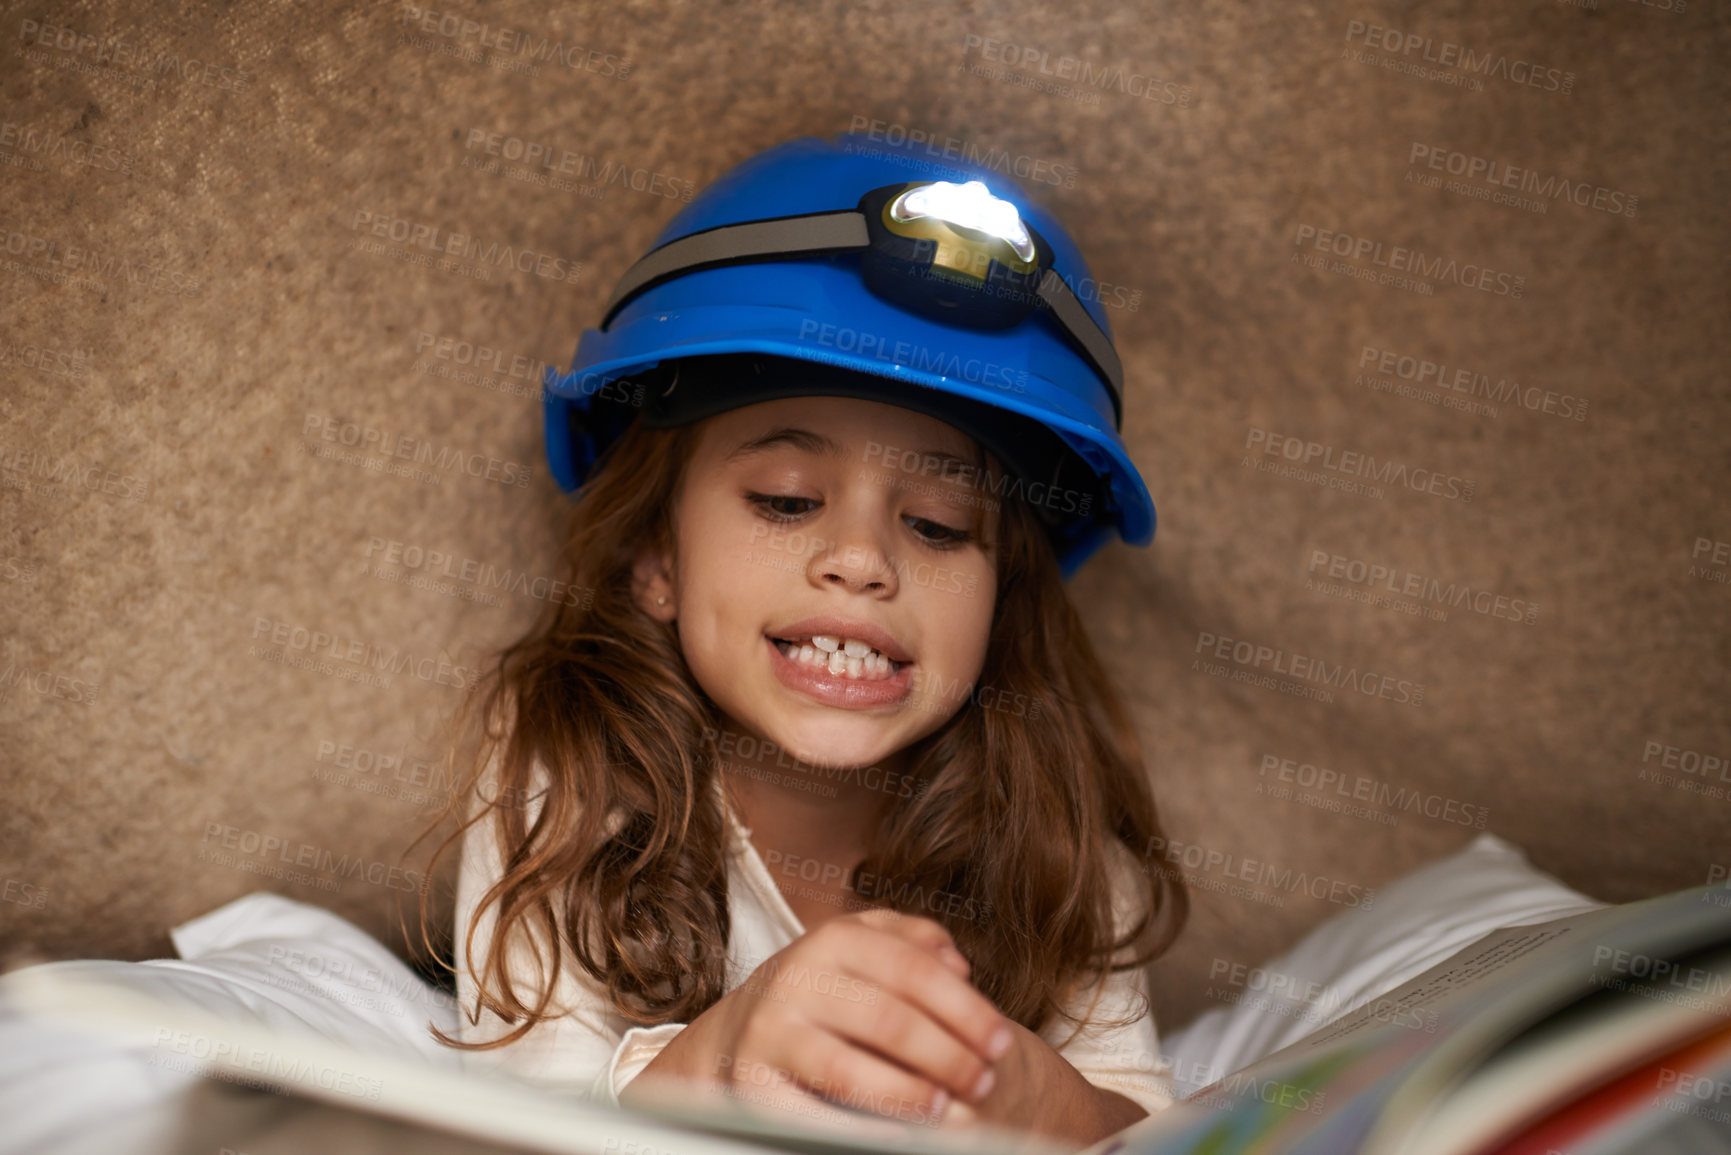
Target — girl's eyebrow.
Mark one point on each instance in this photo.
(822, 446)
(787, 435)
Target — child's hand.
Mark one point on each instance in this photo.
(872, 1010)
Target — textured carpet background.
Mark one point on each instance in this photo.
(194, 298)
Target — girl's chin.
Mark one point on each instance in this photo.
(850, 745)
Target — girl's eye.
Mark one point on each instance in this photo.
(774, 506)
(939, 535)
(767, 502)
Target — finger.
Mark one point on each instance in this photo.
(904, 1033)
(841, 1072)
(902, 967)
(927, 932)
(915, 928)
(960, 1114)
(813, 1110)
(764, 1087)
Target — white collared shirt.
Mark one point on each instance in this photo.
(591, 1049)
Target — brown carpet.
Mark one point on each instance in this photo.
(194, 298)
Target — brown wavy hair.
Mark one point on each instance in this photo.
(1015, 810)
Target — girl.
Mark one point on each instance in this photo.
(815, 792)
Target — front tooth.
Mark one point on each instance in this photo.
(837, 661)
(856, 648)
(855, 667)
(826, 643)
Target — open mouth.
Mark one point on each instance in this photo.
(841, 657)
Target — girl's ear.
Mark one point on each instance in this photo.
(652, 584)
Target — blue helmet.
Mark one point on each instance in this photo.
(858, 268)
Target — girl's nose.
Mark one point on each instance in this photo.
(859, 565)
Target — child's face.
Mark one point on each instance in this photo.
(831, 507)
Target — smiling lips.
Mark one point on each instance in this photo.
(841, 661)
(859, 683)
(845, 658)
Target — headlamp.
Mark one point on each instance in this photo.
(969, 209)
(951, 251)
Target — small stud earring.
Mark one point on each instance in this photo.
(662, 600)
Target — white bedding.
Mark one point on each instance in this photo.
(291, 965)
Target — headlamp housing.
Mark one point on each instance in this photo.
(953, 251)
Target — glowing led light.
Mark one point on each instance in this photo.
(968, 206)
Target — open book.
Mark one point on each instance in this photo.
(1602, 1033)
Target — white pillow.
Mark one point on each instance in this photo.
(294, 965)
(262, 958)
(1416, 922)
(268, 958)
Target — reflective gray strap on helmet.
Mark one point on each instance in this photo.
(839, 232)
(754, 240)
(1070, 313)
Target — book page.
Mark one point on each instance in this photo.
(479, 1104)
(1361, 1082)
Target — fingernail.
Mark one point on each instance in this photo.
(1000, 1044)
(939, 1102)
(984, 1086)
